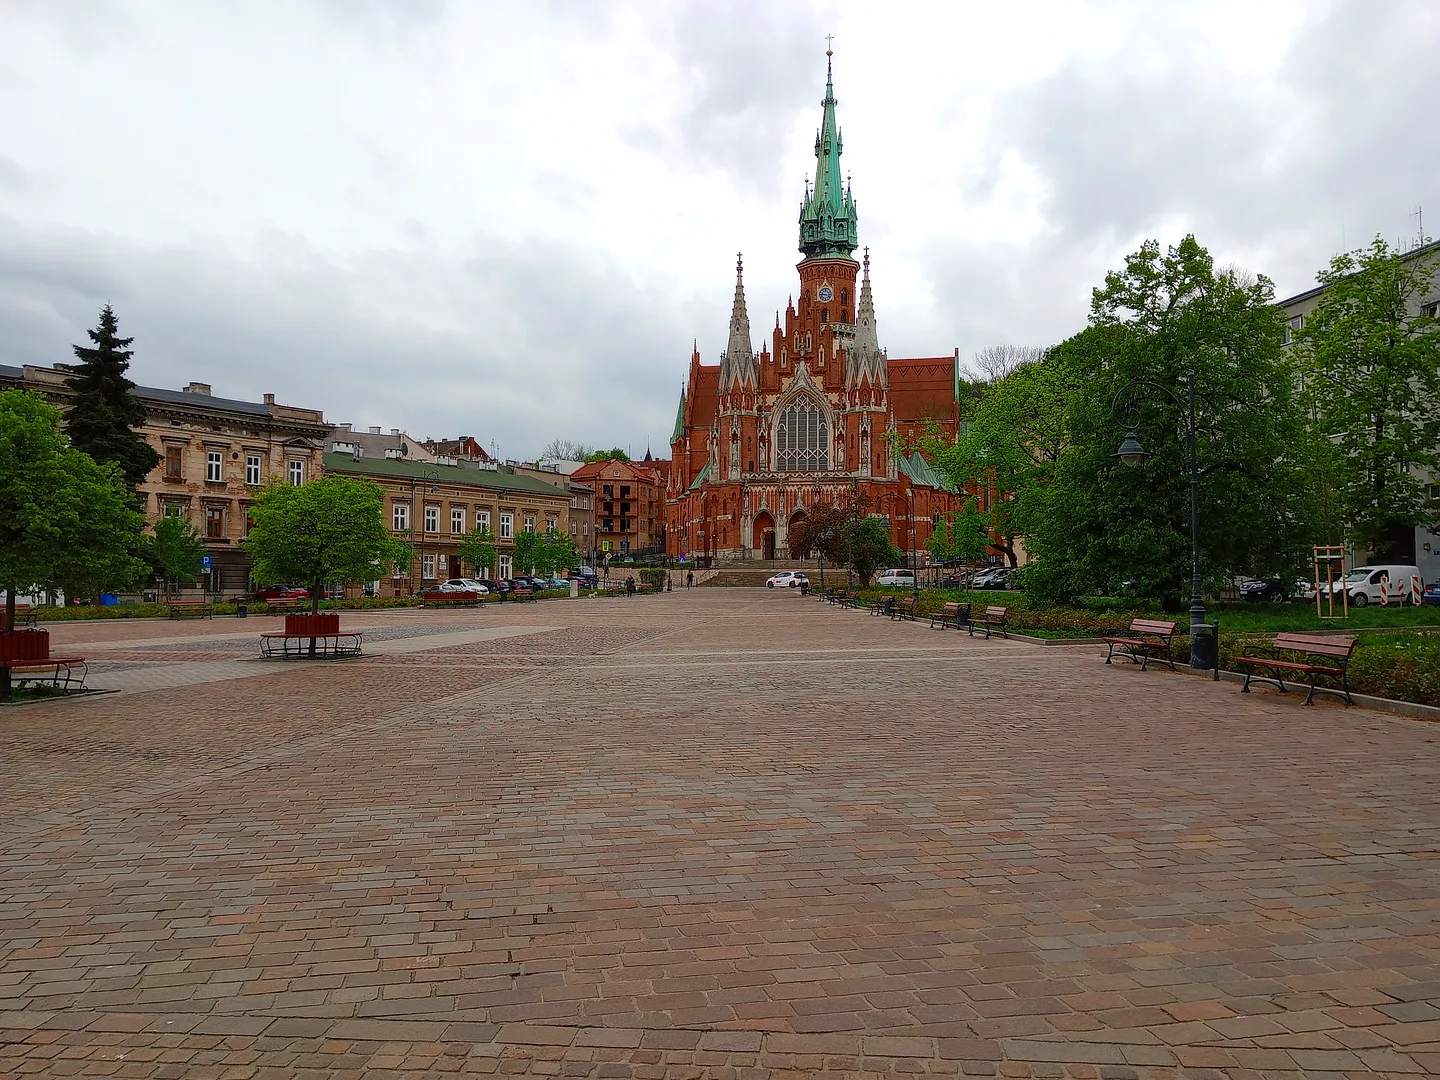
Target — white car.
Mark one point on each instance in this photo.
(463, 584)
(787, 579)
(1363, 584)
(896, 579)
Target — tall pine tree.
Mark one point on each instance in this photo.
(103, 418)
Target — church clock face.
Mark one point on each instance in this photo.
(825, 294)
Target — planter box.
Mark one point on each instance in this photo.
(326, 624)
(25, 645)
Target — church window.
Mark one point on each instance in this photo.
(801, 442)
(844, 296)
(845, 315)
(824, 315)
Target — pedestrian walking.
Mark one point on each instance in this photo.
(689, 578)
(630, 585)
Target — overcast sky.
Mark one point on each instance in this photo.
(511, 220)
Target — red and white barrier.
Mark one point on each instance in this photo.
(1384, 591)
(1417, 589)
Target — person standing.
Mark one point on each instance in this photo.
(629, 585)
(689, 578)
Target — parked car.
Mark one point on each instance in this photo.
(1431, 595)
(1257, 590)
(997, 577)
(282, 592)
(463, 584)
(787, 579)
(1363, 583)
(952, 581)
(896, 579)
(498, 588)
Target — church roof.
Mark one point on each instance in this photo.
(679, 432)
(827, 216)
(921, 472)
(701, 477)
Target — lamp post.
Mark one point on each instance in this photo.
(430, 476)
(1133, 454)
(815, 506)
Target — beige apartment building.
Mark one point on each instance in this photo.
(214, 452)
(436, 505)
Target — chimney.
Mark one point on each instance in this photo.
(394, 431)
(269, 399)
(344, 427)
(374, 430)
(198, 388)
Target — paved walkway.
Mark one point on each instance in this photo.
(723, 833)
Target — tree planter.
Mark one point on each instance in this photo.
(325, 624)
(25, 645)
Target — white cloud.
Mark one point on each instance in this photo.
(511, 220)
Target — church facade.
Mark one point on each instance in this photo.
(816, 416)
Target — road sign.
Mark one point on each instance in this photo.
(205, 561)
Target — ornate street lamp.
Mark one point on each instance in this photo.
(1124, 409)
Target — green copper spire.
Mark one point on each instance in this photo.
(827, 216)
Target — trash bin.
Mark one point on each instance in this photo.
(1204, 648)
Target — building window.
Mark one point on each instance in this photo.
(507, 566)
(174, 509)
(214, 463)
(252, 470)
(401, 517)
(801, 444)
(550, 524)
(432, 519)
(529, 522)
(174, 463)
(427, 568)
(214, 523)
(297, 473)
(507, 526)
(482, 520)
(1432, 310)
(457, 520)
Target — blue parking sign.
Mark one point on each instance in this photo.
(205, 561)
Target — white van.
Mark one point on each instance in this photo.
(896, 579)
(1363, 583)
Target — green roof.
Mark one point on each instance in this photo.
(679, 432)
(922, 472)
(488, 479)
(701, 477)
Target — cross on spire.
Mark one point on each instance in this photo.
(829, 40)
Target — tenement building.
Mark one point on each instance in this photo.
(629, 505)
(215, 453)
(817, 416)
(433, 507)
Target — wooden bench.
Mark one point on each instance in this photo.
(953, 614)
(883, 606)
(992, 622)
(523, 594)
(288, 604)
(839, 597)
(57, 671)
(24, 614)
(450, 599)
(278, 645)
(201, 609)
(1314, 655)
(1144, 639)
(904, 608)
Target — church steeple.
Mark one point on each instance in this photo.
(865, 356)
(827, 214)
(739, 365)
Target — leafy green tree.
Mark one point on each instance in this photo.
(1095, 522)
(963, 535)
(332, 529)
(529, 551)
(820, 532)
(559, 551)
(868, 547)
(477, 550)
(176, 549)
(607, 455)
(1012, 433)
(1370, 357)
(66, 521)
(105, 412)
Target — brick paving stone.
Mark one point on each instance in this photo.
(717, 833)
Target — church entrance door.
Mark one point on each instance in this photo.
(770, 544)
(762, 537)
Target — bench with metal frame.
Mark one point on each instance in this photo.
(884, 607)
(24, 614)
(278, 645)
(1317, 656)
(275, 607)
(839, 597)
(953, 614)
(1145, 639)
(904, 608)
(992, 622)
(523, 595)
(201, 609)
(56, 671)
(469, 598)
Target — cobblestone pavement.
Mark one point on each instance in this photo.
(724, 833)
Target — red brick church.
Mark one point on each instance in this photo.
(817, 415)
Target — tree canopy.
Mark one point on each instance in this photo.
(1370, 357)
(175, 549)
(607, 455)
(329, 530)
(105, 412)
(566, 450)
(477, 550)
